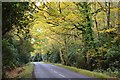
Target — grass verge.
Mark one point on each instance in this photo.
(83, 71)
(22, 72)
(28, 70)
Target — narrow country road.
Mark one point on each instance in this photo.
(43, 70)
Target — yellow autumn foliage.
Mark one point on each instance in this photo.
(103, 31)
(102, 48)
(100, 19)
(110, 30)
(114, 9)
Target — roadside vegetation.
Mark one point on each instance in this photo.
(16, 43)
(25, 71)
(28, 71)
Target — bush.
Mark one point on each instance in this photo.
(9, 53)
(113, 58)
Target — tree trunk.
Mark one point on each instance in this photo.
(61, 56)
(108, 22)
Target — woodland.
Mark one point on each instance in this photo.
(85, 35)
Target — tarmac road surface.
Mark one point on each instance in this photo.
(45, 71)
